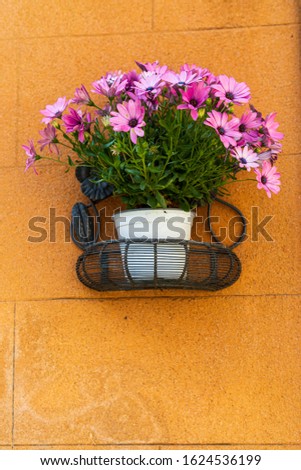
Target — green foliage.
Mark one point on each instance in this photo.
(178, 163)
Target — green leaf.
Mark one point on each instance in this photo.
(152, 202)
(161, 200)
(108, 144)
(70, 161)
(184, 204)
(132, 171)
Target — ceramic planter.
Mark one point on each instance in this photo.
(144, 261)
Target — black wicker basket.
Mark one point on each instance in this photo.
(152, 264)
(114, 266)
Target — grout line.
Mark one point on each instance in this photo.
(13, 384)
(172, 297)
(132, 33)
(164, 444)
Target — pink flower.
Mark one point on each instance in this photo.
(184, 78)
(76, 121)
(258, 113)
(149, 85)
(131, 77)
(32, 154)
(194, 97)
(129, 118)
(268, 179)
(153, 67)
(271, 154)
(112, 84)
(269, 130)
(247, 126)
(81, 96)
(246, 157)
(210, 79)
(227, 131)
(55, 110)
(231, 91)
(49, 138)
(199, 71)
(264, 156)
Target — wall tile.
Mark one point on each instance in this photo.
(171, 15)
(6, 371)
(9, 111)
(31, 18)
(111, 372)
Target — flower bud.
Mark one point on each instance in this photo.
(56, 125)
(201, 112)
(106, 121)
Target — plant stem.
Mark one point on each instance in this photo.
(54, 160)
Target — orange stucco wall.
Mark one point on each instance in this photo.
(159, 369)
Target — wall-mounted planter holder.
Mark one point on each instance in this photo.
(107, 266)
(147, 263)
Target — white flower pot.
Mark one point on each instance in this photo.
(147, 261)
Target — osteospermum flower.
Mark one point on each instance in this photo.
(110, 85)
(200, 72)
(131, 77)
(248, 126)
(49, 138)
(194, 97)
(230, 91)
(149, 85)
(269, 130)
(246, 157)
(227, 130)
(76, 121)
(153, 67)
(129, 118)
(55, 110)
(184, 78)
(268, 178)
(271, 154)
(81, 96)
(31, 153)
(264, 156)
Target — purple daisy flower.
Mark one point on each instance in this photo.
(184, 78)
(131, 77)
(153, 67)
(81, 96)
(247, 157)
(194, 97)
(31, 153)
(199, 71)
(269, 127)
(49, 138)
(112, 84)
(268, 178)
(129, 119)
(227, 130)
(54, 111)
(248, 126)
(230, 91)
(76, 121)
(149, 85)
